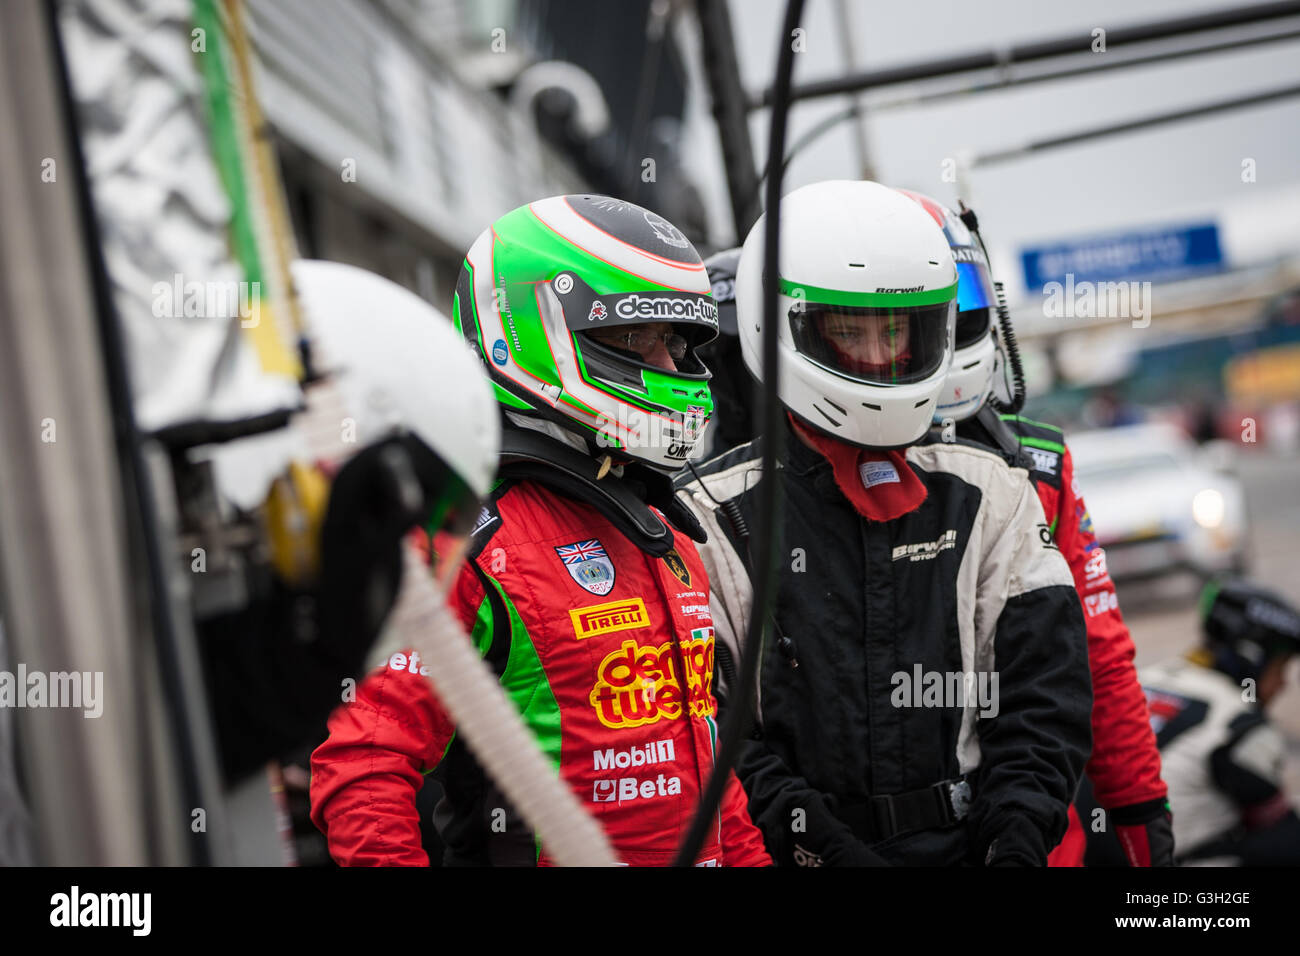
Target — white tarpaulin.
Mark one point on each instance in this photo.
(164, 217)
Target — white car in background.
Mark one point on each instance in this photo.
(1158, 503)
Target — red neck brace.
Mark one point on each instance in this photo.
(880, 485)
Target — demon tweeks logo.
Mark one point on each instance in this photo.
(638, 683)
(606, 618)
(667, 307)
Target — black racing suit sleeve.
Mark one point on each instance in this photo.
(1033, 749)
(798, 822)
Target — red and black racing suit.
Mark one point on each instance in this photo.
(1124, 768)
(590, 636)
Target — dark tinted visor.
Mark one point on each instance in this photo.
(975, 296)
(972, 327)
(873, 345)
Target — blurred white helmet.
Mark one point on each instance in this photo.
(401, 365)
(866, 304)
(405, 376)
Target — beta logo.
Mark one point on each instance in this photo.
(499, 353)
(638, 684)
(606, 618)
(412, 665)
(598, 312)
(625, 789)
(1100, 603)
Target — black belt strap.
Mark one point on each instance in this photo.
(883, 816)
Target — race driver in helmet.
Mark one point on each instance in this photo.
(1124, 767)
(1224, 760)
(925, 700)
(582, 588)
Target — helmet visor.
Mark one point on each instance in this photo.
(975, 300)
(878, 346)
(621, 333)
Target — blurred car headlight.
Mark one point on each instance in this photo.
(1207, 508)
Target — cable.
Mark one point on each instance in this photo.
(1003, 57)
(1140, 125)
(1009, 344)
(907, 102)
(736, 725)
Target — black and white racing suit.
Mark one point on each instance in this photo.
(1223, 762)
(861, 750)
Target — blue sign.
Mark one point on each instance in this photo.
(499, 353)
(1153, 254)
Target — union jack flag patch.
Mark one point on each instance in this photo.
(588, 565)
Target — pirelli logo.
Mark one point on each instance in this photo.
(604, 618)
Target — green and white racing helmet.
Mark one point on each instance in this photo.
(542, 279)
(866, 306)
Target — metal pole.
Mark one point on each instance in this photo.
(861, 141)
(65, 549)
(813, 134)
(1042, 50)
(1004, 81)
(730, 111)
(1130, 126)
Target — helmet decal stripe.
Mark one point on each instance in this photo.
(879, 300)
(686, 266)
(702, 286)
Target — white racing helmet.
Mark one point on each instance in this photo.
(975, 360)
(866, 307)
